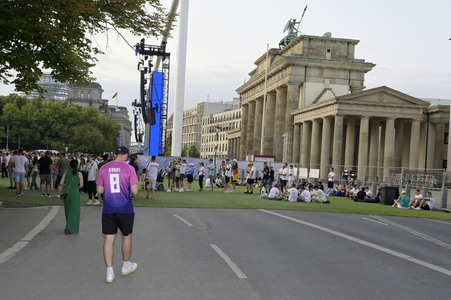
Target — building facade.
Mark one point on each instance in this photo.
(91, 96)
(54, 89)
(192, 121)
(215, 130)
(318, 115)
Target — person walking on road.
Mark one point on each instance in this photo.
(116, 181)
(72, 182)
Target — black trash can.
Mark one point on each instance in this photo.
(389, 194)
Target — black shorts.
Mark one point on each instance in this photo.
(250, 181)
(111, 222)
(426, 207)
(284, 182)
(330, 184)
(189, 178)
(227, 179)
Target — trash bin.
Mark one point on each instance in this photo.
(389, 194)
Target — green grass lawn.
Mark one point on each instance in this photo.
(238, 200)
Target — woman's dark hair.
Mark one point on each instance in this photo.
(74, 166)
(35, 160)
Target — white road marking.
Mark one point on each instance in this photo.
(375, 221)
(229, 262)
(184, 221)
(414, 232)
(365, 243)
(438, 221)
(9, 253)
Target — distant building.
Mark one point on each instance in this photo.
(91, 96)
(54, 89)
(215, 130)
(192, 120)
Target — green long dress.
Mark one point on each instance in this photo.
(72, 201)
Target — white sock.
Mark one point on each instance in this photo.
(110, 270)
(126, 264)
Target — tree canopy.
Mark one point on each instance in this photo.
(58, 35)
(58, 123)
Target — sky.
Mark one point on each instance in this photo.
(407, 40)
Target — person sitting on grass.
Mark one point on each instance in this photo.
(292, 193)
(305, 195)
(403, 201)
(353, 192)
(320, 196)
(427, 203)
(274, 193)
(361, 195)
(416, 200)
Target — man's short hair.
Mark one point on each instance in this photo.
(153, 157)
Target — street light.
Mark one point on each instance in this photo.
(217, 129)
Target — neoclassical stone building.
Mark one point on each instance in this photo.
(318, 115)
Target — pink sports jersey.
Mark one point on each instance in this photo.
(116, 177)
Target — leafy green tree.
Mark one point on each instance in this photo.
(193, 152)
(59, 123)
(185, 151)
(168, 145)
(58, 34)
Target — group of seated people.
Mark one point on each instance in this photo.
(302, 193)
(339, 191)
(364, 194)
(417, 202)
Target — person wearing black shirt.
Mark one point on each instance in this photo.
(270, 177)
(361, 195)
(45, 165)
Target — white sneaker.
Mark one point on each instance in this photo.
(130, 269)
(181, 190)
(176, 190)
(233, 191)
(109, 277)
(97, 202)
(57, 196)
(188, 190)
(89, 202)
(168, 191)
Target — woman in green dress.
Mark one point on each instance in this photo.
(72, 181)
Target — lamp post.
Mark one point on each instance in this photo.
(217, 129)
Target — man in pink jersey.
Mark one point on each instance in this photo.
(116, 181)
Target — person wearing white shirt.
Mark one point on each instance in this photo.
(416, 200)
(331, 178)
(151, 175)
(283, 177)
(274, 193)
(250, 178)
(320, 196)
(292, 193)
(20, 165)
(290, 175)
(227, 175)
(92, 169)
(427, 203)
(305, 195)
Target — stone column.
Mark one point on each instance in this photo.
(325, 148)
(268, 145)
(250, 128)
(315, 142)
(363, 148)
(292, 103)
(237, 151)
(243, 139)
(306, 139)
(389, 146)
(230, 148)
(296, 143)
(374, 150)
(399, 132)
(432, 136)
(337, 148)
(406, 141)
(279, 123)
(350, 144)
(258, 125)
(414, 144)
(439, 146)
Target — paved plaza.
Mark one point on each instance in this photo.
(227, 254)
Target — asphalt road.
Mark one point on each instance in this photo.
(228, 254)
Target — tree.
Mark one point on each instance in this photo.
(193, 152)
(185, 151)
(168, 145)
(59, 123)
(57, 35)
